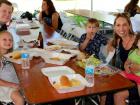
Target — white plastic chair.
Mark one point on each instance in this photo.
(65, 30)
(78, 31)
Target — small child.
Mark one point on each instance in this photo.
(91, 41)
(9, 88)
(132, 65)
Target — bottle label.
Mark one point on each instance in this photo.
(89, 70)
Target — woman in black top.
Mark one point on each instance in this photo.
(123, 41)
(132, 8)
(49, 15)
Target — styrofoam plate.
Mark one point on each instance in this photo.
(82, 85)
(57, 58)
(58, 70)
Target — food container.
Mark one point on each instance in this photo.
(53, 47)
(69, 51)
(63, 42)
(57, 58)
(58, 70)
(80, 86)
(14, 57)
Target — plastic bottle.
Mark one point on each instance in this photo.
(40, 40)
(89, 73)
(25, 61)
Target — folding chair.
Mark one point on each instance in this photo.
(88, 100)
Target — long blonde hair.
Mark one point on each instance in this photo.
(1, 33)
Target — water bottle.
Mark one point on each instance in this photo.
(89, 73)
(25, 61)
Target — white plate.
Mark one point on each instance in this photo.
(58, 70)
(64, 43)
(18, 61)
(53, 47)
(76, 52)
(82, 85)
(36, 52)
(57, 58)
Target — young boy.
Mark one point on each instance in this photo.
(91, 41)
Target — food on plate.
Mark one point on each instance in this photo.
(64, 44)
(16, 55)
(54, 47)
(65, 82)
(93, 60)
(75, 82)
(81, 56)
(66, 52)
(103, 70)
(81, 64)
(55, 58)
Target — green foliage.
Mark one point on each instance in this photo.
(79, 20)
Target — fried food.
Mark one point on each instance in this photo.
(64, 81)
(75, 82)
(55, 58)
(54, 47)
(16, 55)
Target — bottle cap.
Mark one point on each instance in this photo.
(24, 55)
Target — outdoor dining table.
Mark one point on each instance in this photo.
(37, 89)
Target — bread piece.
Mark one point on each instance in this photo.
(64, 81)
(75, 82)
(16, 55)
(55, 58)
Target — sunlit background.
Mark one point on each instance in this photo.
(102, 5)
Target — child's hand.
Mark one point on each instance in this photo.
(14, 85)
(127, 69)
(88, 37)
